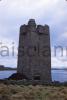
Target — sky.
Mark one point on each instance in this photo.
(14, 13)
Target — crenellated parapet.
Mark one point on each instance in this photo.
(31, 26)
(31, 23)
(43, 29)
(23, 29)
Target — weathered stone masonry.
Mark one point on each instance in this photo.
(34, 54)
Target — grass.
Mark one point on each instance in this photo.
(21, 92)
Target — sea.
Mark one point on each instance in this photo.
(57, 75)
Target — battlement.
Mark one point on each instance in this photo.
(32, 23)
(23, 29)
(31, 26)
(43, 29)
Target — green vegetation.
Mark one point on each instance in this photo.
(39, 92)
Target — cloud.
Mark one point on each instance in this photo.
(8, 62)
(58, 63)
(14, 13)
(59, 57)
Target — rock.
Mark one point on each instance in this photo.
(17, 76)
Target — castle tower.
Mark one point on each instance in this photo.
(34, 54)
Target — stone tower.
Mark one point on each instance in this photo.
(34, 54)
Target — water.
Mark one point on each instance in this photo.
(57, 75)
(6, 74)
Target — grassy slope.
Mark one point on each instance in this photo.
(20, 92)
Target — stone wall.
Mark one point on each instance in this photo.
(34, 52)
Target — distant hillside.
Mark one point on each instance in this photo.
(59, 68)
(2, 67)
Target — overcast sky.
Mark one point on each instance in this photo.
(14, 13)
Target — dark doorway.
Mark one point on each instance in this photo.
(37, 77)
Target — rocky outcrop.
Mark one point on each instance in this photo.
(17, 76)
